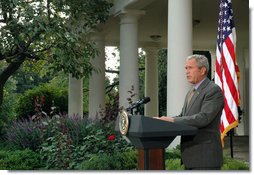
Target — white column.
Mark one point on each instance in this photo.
(97, 81)
(243, 85)
(179, 47)
(75, 98)
(151, 82)
(128, 79)
(213, 60)
(246, 92)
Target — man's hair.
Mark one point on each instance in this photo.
(201, 60)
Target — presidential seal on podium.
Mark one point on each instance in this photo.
(123, 122)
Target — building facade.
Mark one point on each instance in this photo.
(180, 26)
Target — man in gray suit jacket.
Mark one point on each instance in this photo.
(202, 109)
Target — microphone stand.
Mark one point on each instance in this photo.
(137, 112)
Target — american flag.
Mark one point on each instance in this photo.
(226, 67)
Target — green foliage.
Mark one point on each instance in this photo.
(174, 164)
(7, 112)
(57, 150)
(24, 134)
(30, 134)
(31, 75)
(60, 152)
(173, 153)
(117, 161)
(234, 164)
(173, 159)
(54, 31)
(97, 140)
(19, 160)
(111, 107)
(63, 27)
(53, 96)
(229, 164)
(101, 139)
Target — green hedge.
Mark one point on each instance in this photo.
(30, 160)
(234, 164)
(229, 164)
(26, 102)
(19, 160)
(117, 161)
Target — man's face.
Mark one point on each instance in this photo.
(194, 74)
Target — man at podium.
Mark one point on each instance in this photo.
(202, 109)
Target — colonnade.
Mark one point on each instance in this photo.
(179, 47)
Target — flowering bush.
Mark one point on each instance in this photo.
(65, 142)
(111, 137)
(24, 134)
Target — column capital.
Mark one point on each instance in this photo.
(151, 52)
(130, 16)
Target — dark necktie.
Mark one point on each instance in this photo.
(190, 96)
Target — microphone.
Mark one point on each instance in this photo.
(138, 103)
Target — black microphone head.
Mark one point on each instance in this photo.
(146, 100)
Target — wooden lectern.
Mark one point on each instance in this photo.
(151, 136)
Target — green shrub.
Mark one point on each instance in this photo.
(57, 151)
(229, 164)
(50, 95)
(20, 160)
(8, 105)
(173, 164)
(234, 164)
(173, 153)
(117, 161)
(26, 133)
(64, 142)
(60, 152)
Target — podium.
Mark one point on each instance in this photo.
(151, 136)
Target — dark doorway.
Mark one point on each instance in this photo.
(208, 56)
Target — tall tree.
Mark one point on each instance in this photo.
(54, 30)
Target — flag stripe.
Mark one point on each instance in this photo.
(226, 67)
(229, 80)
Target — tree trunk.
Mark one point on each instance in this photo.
(7, 73)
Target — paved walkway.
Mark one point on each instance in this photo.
(240, 147)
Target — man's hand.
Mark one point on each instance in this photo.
(168, 119)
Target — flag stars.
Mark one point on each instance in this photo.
(221, 5)
(225, 20)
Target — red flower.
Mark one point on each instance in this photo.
(111, 137)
